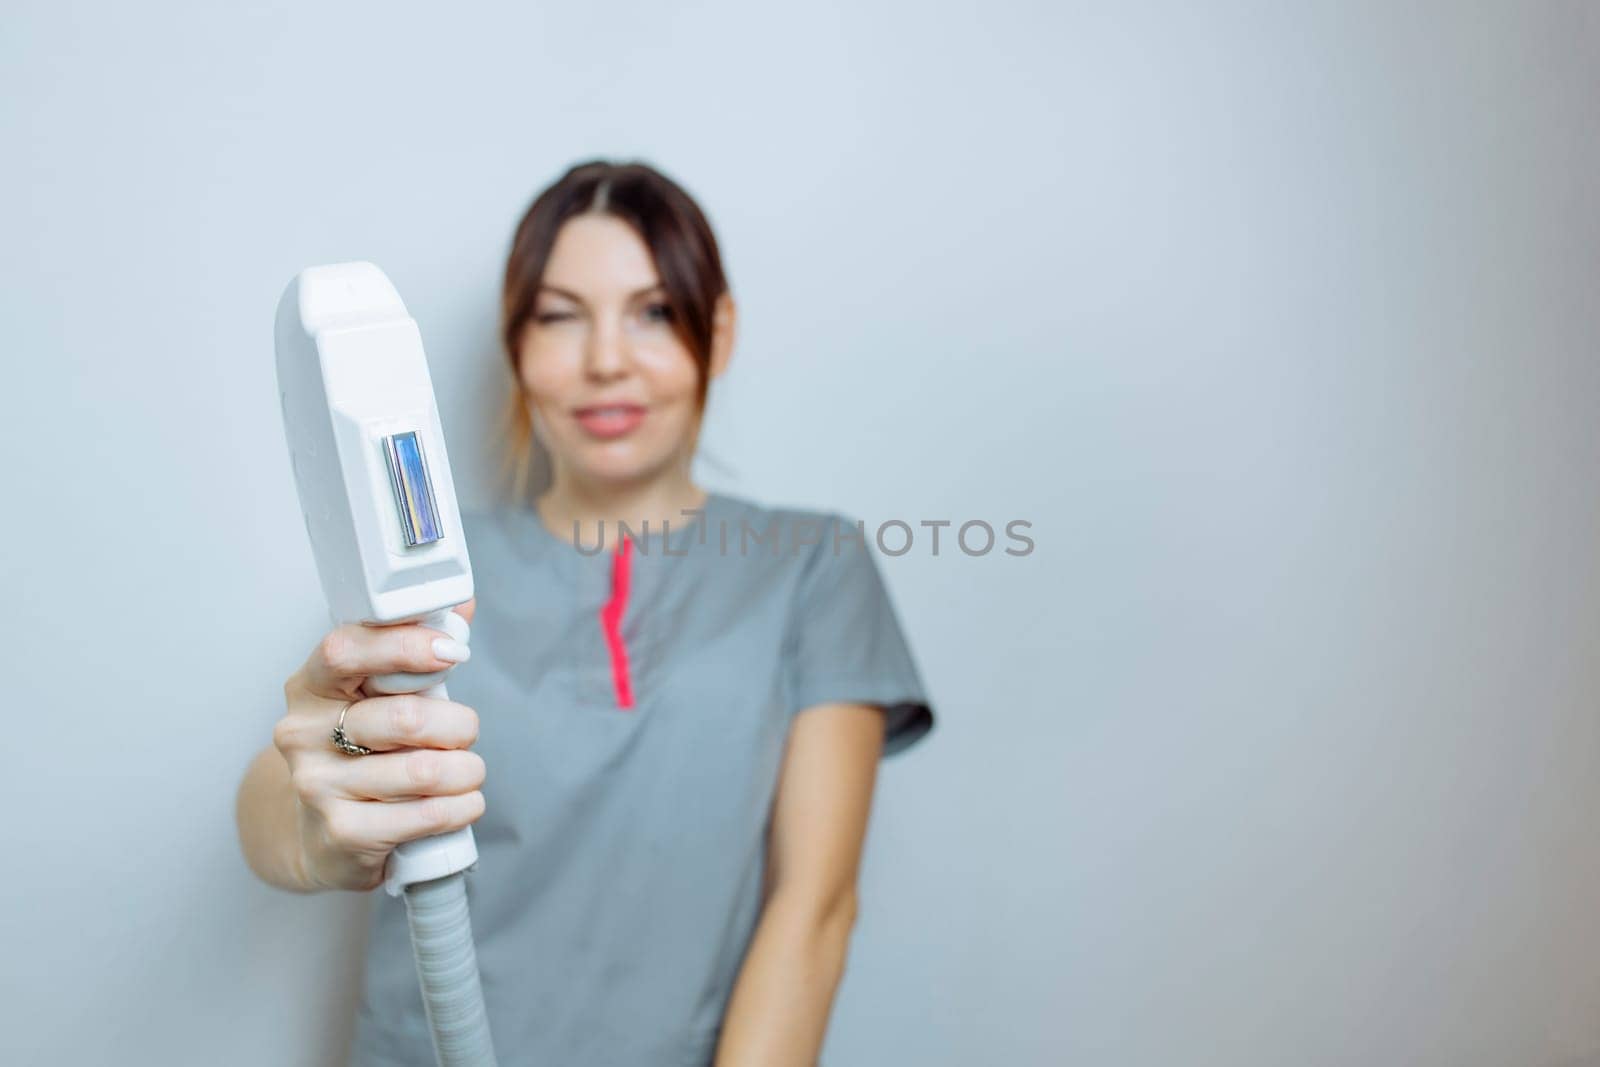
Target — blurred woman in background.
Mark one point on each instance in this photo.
(678, 698)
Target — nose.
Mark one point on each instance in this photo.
(606, 356)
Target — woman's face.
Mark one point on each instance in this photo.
(611, 390)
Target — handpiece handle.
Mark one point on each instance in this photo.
(428, 858)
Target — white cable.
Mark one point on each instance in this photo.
(447, 969)
(430, 874)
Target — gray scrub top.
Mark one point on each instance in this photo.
(633, 714)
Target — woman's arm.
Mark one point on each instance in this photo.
(778, 1013)
(269, 823)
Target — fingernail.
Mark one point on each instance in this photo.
(451, 650)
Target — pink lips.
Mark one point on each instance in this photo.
(609, 420)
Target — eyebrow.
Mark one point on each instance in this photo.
(575, 298)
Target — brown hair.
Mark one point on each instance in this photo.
(671, 225)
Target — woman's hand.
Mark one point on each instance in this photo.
(419, 780)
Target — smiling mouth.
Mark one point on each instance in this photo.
(609, 420)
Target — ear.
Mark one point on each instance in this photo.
(724, 327)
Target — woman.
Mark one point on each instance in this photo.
(684, 695)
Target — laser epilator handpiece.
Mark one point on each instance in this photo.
(380, 508)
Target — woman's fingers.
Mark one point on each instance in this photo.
(360, 826)
(411, 774)
(353, 810)
(410, 721)
(382, 723)
(349, 654)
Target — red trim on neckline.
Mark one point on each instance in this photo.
(611, 621)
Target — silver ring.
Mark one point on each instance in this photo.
(341, 740)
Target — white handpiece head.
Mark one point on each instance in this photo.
(367, 449)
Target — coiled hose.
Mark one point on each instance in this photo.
(447, 968)
(436, 908)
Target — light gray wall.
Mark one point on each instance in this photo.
(1278, 323)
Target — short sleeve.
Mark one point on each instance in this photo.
(844, 642)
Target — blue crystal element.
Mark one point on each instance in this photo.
(413, 489)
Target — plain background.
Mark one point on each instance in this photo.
(1278, 323)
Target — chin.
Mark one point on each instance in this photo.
(615, 465)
